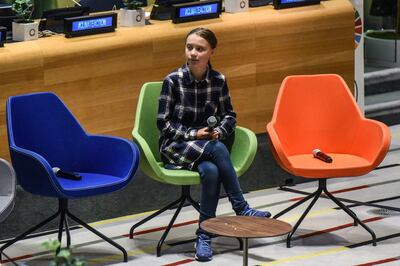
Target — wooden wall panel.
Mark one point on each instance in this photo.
(99, 77)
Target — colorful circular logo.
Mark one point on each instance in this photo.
(357, 28)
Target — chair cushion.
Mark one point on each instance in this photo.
(91, 184)
(179, 177)
(306, 165)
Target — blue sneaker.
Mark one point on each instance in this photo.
(203, 248)
(253, 212)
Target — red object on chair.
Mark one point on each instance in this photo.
(319, 112)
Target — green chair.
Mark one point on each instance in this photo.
(145, 133)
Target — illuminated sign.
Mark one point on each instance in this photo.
(3, 34)
(196, 11)
(278, 4)
(87, 25)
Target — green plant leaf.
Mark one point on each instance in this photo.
(65, 254)
(51, 244)
(64, 257)
(133, 4)
(23, 9)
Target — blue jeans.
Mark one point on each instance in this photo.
(215, 168)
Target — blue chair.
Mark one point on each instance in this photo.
(43, 134)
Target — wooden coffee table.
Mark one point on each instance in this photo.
(245, 227)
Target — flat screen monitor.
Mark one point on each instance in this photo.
(105, 5)
(257, 3)
(171, 2)
(3, 36)
(6, 14)
(278, 4)
(6, 2)
(383, 8)
(162, 9)
(53, 19)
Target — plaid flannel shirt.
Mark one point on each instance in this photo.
(184, 106)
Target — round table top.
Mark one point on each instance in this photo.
(245, 226)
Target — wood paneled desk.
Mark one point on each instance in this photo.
(99, 77)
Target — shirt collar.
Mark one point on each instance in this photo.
(189, 79)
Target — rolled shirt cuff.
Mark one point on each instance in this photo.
(221, 135)
(193, 134)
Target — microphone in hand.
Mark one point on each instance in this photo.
(322, 156)
(211, 123)
(67, 175)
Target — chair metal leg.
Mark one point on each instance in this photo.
(9, 259)
(171, 223)
(354, 202)
(323, 196)
(296, 204)
(63, 212)
(148, 218)
(60, 229)
(194, 203)
(352, 215)
(94, 231)
(355, 223)
(29, 231)
(67, 232)
(322, 188)
(289, 237)
(185, 196)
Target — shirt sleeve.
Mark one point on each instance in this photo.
(166, 104)
(225, 111)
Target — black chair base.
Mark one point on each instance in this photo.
(63, 212)
(8, 258)
(354, 203)
(315, 195)
(185, 196)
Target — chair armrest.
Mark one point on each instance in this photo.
(243, 149)
(107, 155)
(34, 173)
(372, 141)
(277, 148)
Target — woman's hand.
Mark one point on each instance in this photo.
(214, 135)
(203, 133)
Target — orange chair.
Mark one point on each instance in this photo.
(319, 112)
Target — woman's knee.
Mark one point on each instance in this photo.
(220, 149)
(208, 172)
